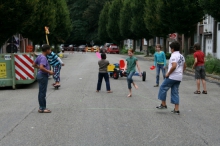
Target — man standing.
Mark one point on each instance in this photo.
(174, 76)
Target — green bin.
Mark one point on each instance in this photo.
(16, 69)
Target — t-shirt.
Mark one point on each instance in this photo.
(200, 58)
(131, 64)
(41, 59)
(52, 59)
(160, 58)
(103, 64)
(177, 74)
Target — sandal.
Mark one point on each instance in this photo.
(156, 85)
(197, 92)
(44, 111)
(204, 92)
(109, 91)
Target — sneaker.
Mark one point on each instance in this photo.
(175, 112)
(161, 107)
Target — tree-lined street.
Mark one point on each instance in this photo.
(82, 117)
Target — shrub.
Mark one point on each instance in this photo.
(123, 50)
(189, 60)
(151, 50)
(168, 55)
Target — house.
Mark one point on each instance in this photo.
(209, 36)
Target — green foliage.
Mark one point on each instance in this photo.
(189, 11)
(211, 7)
(138, 26)
(13, 16)
(168, 55)
(103, 21)
(151, 50)
(125, 20)
(91, 15)
(79, 23)
(113, 28)
(153, 21)
(44, 15)
(211, 64)
(124, 50)
(189, 60)
(63, 23)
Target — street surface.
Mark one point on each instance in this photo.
(82, 117)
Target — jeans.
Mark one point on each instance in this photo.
(56, 70)
(43, 81)
(106, 77)
(129, 79)
(159, 67)
(166, 85)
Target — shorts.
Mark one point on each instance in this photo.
(200, 72)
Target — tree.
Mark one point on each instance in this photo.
(211, 7)
(13, 16)
(44, 15)
(138, 27)
(63, 23)
(103, 22)
(154, 23)
(188, 10)
(125, 20)
(113, 28)
(79, 24)
(91, 15)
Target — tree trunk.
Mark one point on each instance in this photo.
(134, 45)
(164, 44)
(186, 44)
(148, 52)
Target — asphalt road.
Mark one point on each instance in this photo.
(82, 117)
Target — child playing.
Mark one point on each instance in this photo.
(132, 62)
(160, 63)
(199, 66)
(103, 64)
(173, 79)
(56, 63)
(42, 76)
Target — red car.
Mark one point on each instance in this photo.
(113, 49)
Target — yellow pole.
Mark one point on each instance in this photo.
(47, 39)
(47, 32)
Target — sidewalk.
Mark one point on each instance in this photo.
(188, 69)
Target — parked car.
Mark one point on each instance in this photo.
(82, 48)
(103, 49)
(113, 49)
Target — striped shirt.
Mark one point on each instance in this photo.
(52, 59)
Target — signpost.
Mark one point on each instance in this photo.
(173, 35)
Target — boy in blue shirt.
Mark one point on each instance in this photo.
(160, 63)
(56, 63)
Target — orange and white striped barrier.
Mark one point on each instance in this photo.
(23, 67)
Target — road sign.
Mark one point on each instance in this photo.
(173, 35)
